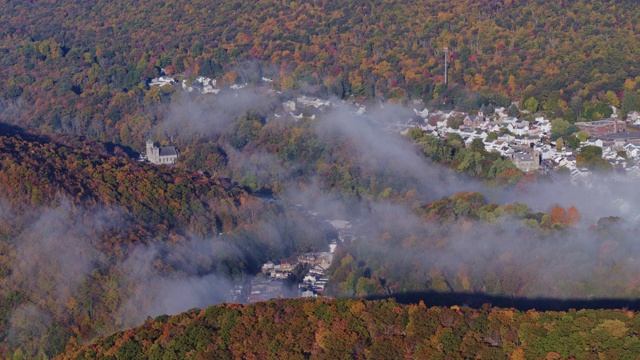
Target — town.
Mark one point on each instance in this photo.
(525, 139)
(527, 143)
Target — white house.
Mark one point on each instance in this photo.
(546, 154)
(541, 125)
(501, 112)
(506, 138)
(315, 102)
(632, 150)
(162, 80)
(509, 120)
(519, 129)
(595, 142)
(441, 124)
(423, 114)
(492, 127)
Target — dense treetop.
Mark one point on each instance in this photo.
(356, 329)
(89, 238)
(82, 68)
(78, 66)
(43, 171)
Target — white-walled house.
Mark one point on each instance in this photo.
(423, 114)
(493, 127)
(442, 123)
(546, 154)
(519, 129)
(632, 150)
(594, 142)
(162, 81)
(509, 120)
(501, 112)
(506, 138)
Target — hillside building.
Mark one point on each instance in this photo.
(525, 161)
(602, 127)
(161, 155)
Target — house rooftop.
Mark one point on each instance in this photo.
(624, 135)
(597, 123)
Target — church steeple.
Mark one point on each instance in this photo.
(151, 153)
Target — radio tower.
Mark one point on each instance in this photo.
(446, 58)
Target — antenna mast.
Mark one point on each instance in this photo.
(446, 58)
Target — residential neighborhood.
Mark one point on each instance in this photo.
(527, 143)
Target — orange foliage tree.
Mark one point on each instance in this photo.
(568, 217)
(558, 215)
(573, 216)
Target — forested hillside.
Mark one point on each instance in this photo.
(464, 244)
(77, 66)
(92, 241)
(355, 329)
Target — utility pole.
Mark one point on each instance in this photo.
(446, 58)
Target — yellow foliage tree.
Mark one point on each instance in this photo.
(629, 84)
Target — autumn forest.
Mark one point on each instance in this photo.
(106, 256)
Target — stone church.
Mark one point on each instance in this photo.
(161, 155)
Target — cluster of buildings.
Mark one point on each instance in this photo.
(274, 279)
(206, 85)
(264, 289)
(315, 280)
(258, 289)
(203, 84)
(516, 139)
(271, 282)
(525, 142)
(603, 127)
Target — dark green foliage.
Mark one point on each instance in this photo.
(477, 145)
(630, 102)
(246, 129)
(474, 160)
(513, 111)
(573, 142)
(209, 68)
(591, 158)
(12, 92)
(591, 152)
(130, 350)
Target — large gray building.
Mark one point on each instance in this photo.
(526, 161)
(602, 127)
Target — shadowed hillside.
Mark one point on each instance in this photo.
(356, 329)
